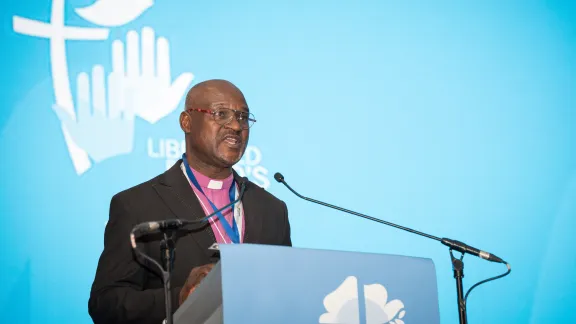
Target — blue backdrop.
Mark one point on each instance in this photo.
(456, 118)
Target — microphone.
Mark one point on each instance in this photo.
(177, 224)
(453, 244)
(464, 248)
(157, 226)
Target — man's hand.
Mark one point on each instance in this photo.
(194, 279)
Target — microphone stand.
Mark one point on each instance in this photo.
(457, 264)
(458, 267)
(167, 247)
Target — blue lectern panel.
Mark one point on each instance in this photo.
(270, 284)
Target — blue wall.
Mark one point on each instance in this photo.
(454, 118)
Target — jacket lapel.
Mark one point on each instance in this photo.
(252, 221)
(175, 191)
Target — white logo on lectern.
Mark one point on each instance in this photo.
(343, 308)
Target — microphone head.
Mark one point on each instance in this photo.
(279, 177)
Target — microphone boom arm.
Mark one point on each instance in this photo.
(359, 214)
(457, 264)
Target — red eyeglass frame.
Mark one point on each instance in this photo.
(212, 112)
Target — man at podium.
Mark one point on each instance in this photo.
(216, 123)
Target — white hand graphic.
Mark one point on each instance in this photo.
(104, 122)
(155, 96)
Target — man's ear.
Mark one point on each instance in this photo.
(185, 122)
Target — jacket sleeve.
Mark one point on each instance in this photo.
(287, 240)
(118, 293)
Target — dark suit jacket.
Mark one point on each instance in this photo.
(128, 289)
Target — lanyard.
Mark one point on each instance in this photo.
(231, 231)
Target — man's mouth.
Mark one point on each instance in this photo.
(233, 140)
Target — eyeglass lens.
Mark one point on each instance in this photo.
(225, 115)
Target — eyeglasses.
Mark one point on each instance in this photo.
(223, 116)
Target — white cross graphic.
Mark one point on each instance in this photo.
(58, 33)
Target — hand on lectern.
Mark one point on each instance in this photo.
(193, 280)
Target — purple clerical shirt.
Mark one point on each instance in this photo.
(218, 191)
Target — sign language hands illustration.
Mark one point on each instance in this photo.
(139, 85)
(104, 121)
(148, 75)
(144, 72)
(98, 122)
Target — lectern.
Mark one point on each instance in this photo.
(263, 284)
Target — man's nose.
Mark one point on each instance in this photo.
(234, 124)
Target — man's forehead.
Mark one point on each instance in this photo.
(222, 93)
(216, 92)
(229, 104)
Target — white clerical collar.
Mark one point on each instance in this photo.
(215, 184)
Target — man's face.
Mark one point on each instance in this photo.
(215, 142)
